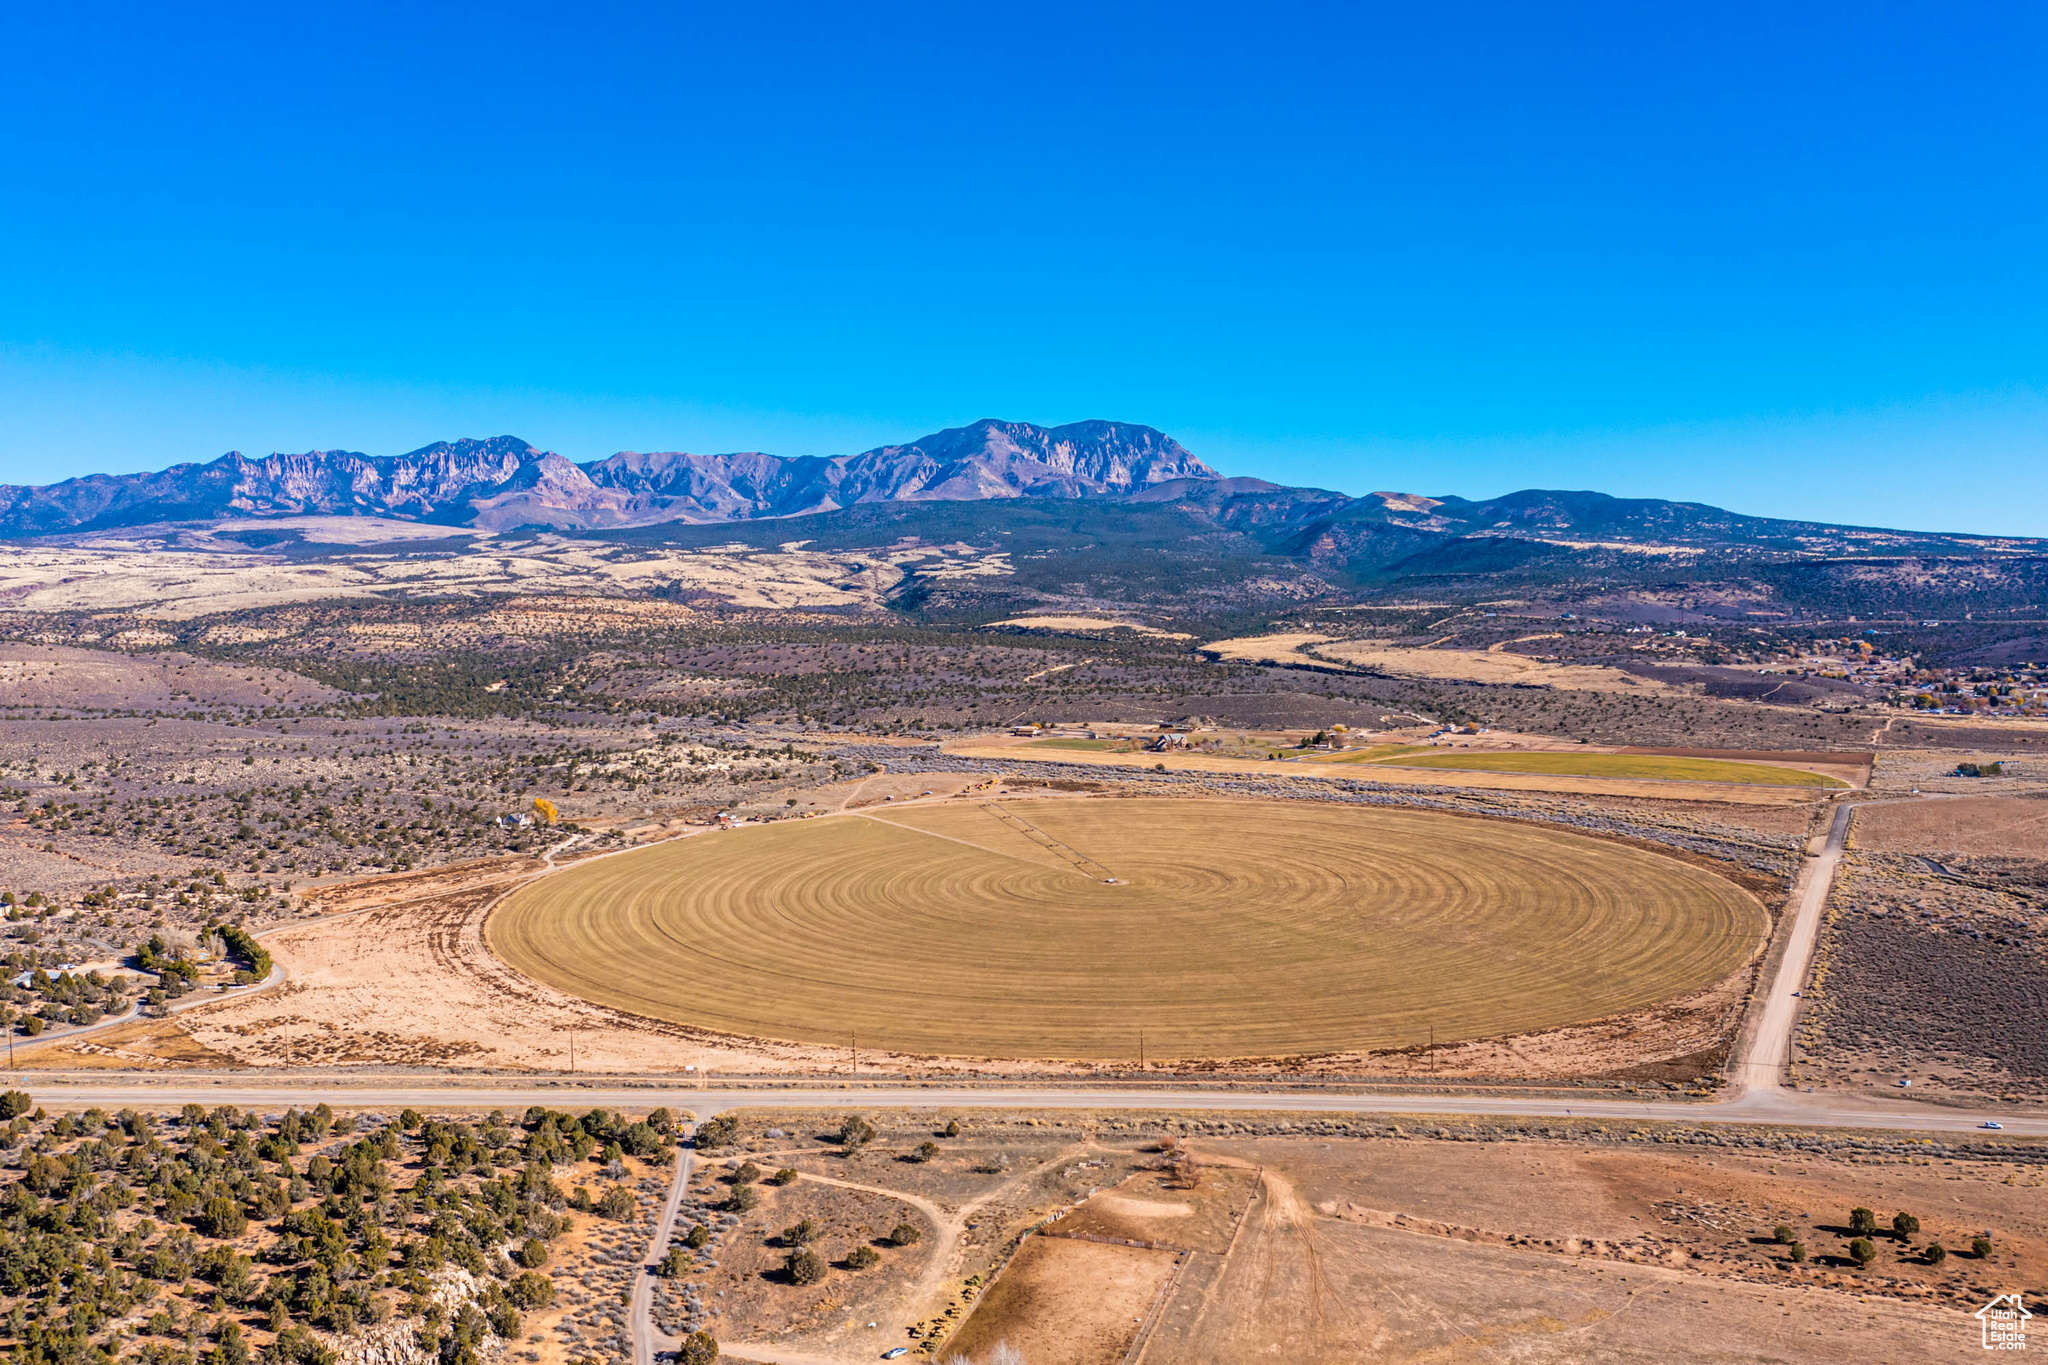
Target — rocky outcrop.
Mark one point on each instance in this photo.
(503, 481)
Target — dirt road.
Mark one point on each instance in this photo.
(1764, 1064)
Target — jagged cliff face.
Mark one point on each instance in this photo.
(504, 481)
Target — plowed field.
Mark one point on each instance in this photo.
(1065, 928)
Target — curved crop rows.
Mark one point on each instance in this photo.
(1233, 929)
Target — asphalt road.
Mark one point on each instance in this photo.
(1772, 1106)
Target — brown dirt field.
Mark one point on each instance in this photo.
(1995, 825)
(151, 1043)
(1009, 751)
(1463, 665)
(340, 897)
(756, 1298)
(412, 984)
(1147, 1208)
(1550, 1251)
(1224, 929)
(1066, 1302)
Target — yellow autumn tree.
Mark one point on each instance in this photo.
(545, 809)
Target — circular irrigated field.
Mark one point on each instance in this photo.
(1232, 929)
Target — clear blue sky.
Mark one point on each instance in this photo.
(1783, 258)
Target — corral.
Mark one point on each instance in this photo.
(1115, 929)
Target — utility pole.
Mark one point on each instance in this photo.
(1141, 1049)
(853, 1042)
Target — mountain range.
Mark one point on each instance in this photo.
(503, 482)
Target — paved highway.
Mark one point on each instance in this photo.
(1783, 1107)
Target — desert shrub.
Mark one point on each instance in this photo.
(697, 1238)
(1782, 1234)
(533, 1253)
(855, 1133)
(801, 1233)
(952, 1128)
(531, 1290)
(747, 1173)
(505, 1321)
(1980, 1247)
(786, 1176)
(618, 1203)
(222, 1217)
(675, 1264)
(722, 1131)
(860, 1258)
(743, 1199)
(1904, 1225)
(15, 1103)
(905, 1234)
(1935, 1254)
(698, 1348)
(229, 1348)
(924, 1151)
(1797, 1251)
(1862, 1251)
(804, 1266)
(1862, 1222)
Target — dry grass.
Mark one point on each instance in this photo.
(1233, 929)
(1183, 761)
(1066, 1303)
(1461, 665)
(1993, 825)
(1641, 767)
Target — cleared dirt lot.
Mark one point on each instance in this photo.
(1512, 1248)
(1463, 665)
(1994, 825)
(1067, 1302)
(1060, 928)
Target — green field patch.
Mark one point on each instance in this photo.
(1641, 767)
(1371, 755)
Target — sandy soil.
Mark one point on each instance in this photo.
(1401, 1250)
(1995, 825)
(1462, 665)
(1067, 1302)
(357, 893)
